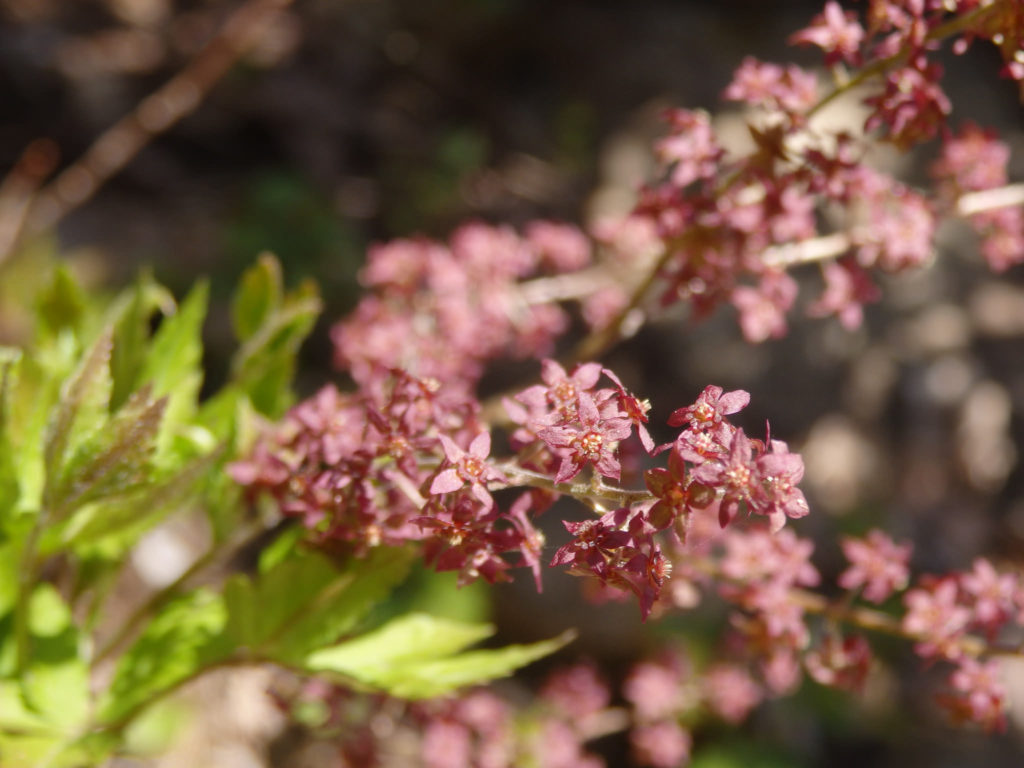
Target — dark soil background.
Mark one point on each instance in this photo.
(361, 120)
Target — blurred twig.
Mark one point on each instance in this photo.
(26, 209)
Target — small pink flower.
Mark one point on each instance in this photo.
(835, 31)
(577, 691)
(993, 594)
(730, 692)
(763, 309)
(691, 149)
(635, 410)
(469, 467)
(711, 407)
(847, 289)
(735, 476)
(760, 83)
(877, 564)
(912, 108)
(936, 617)
(560, 390)
(655, 688)
(980, 696)
(590, 440)
(840, 663)
(661, 745)
(561, 246)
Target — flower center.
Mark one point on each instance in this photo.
(589, 444)
(739, 477)
(473, 467)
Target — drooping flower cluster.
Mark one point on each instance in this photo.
(730, 225)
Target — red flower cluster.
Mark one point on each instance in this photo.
(408, 456)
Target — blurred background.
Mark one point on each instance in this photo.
(346, 122)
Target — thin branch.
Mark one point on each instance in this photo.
(594, 491)
(990, 199)
(120, 143)
(832, 246)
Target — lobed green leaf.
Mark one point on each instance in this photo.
(419, 656)
(260, 293)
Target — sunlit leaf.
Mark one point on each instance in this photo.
(81, 411)
(419, 656)
(258, 296)
(185, 637)
(304, 602)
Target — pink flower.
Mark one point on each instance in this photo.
(730, 692)
(877, 564)
(936, 617)
(595, 544)
(912, 107)
(691, 149)
(591, 440)
(561, 246)
(840, 663)
(735, 476)
(898, 226)
(560, 390)
(763, 309)
(776, 494)
(661, 745)
(710, 409)
(759, 83)
(972, 160)
(980, 696)
(1002, 233)
(847, 289)
(993, 594)
(654, 688)
(577, 691)
(470, 467)
(835, 31)
(635, 410)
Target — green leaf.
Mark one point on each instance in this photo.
(304, 602)
(414, 637)
(9, 488)
(32, 391)
(418, 656)
(112, 526)
(115, 461)
(132, 312)
(281, 547)
(173, 367)
(43, 710)
(48, 615)
(62, 305)
(183, 639)
(81, 411)
(259, 295)
(265, 363)
(59, 693)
